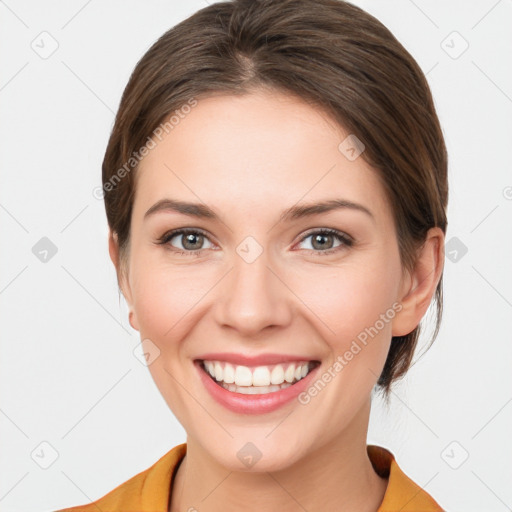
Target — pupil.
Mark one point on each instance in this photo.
(190, 239)
(318, 239)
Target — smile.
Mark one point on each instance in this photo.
(257, 380)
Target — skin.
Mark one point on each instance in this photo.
(249, 158)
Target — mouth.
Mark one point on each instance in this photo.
(256, 380)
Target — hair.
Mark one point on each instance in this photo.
(332, 55)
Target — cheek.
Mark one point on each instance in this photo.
(353, 303)
(354, 309)
(166, 302)
(167, 299)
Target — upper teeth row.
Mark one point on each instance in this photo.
(260, 376)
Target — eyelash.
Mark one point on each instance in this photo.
(342, 237)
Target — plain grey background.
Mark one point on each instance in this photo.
(79, 412)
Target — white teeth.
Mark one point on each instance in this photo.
(254, 390)
(243, 376)
(229, 374)
(218, 371)
(262, 379)
(289, 374)
(277, 375)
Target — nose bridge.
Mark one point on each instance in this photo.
(252, 297)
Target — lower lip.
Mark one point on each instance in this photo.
(253, 404)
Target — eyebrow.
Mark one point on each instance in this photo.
(202, 211)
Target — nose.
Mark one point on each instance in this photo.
(253, 297)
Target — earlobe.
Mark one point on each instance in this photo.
(113, 249)
(133, 320)
(419, 288)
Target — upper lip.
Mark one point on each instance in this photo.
(258, 360)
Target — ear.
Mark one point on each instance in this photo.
(122, 278)
(418, 287)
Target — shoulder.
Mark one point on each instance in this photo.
(146, 491)
(402, 492)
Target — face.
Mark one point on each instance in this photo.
(245, 279)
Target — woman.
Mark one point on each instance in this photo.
(276, 186)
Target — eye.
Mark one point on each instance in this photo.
(323, 240)
(190, 240)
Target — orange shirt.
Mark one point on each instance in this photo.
(148, 491)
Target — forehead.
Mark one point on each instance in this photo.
(259, 150)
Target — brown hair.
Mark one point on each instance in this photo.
(331, 54)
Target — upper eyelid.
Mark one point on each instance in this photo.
(181, 231)
(169, 235)
(330, 231)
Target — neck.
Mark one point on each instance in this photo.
(337, 476)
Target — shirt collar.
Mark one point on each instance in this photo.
(402, 494)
